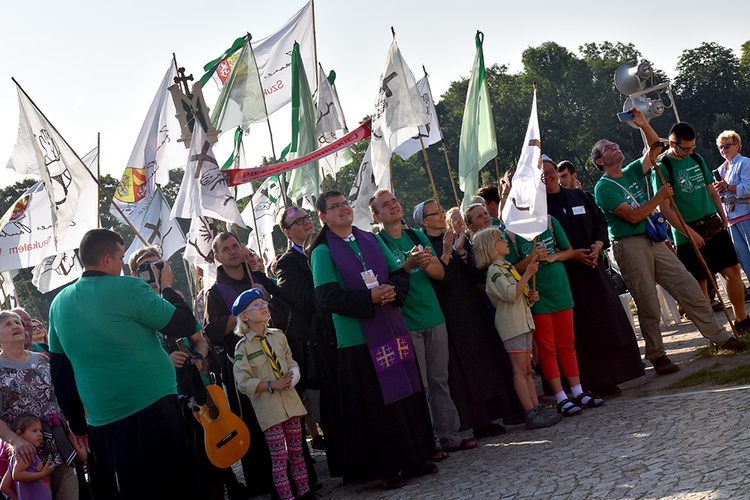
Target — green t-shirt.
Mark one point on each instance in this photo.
(107, 327)
(610, 196)
(348, 331)
(551, 278)
(689, 181)
(421, 309)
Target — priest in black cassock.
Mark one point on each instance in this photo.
(605, 343)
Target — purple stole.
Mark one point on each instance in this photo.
(386, 333)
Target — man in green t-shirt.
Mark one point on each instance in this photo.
(122, 400)
(423, 316)
(700, 206)
(622, 197)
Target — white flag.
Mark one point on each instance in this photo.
(525, 212)
(397, 106)
(261, 215)
(330, 123)
(41, 150)
(158, 229)
(273, 55)
(56, 271)
(26, 228)
(363, 189)
(155, 152)
(199, 238)
(8, 298)
(240, 102)
(429, 133)
(204, 191)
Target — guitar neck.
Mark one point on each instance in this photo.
(184, 345)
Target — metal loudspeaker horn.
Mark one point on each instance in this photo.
(650, 108)
(631, 79)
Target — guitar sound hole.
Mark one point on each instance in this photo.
(226, 439)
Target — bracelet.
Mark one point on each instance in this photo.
(270, 389)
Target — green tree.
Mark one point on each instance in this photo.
(710, 83)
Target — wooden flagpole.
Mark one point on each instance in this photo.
(101, 188)
(652, 154)
(429, 169)
(450, 173)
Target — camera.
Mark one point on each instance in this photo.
(146, 273)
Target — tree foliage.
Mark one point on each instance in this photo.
(577, 105)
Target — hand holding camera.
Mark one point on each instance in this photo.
(158, 273)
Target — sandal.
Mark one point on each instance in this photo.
(568, 408)
(439, 456)
(465, 444)
(593, 401)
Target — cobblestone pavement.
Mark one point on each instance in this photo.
(691, 445)
(648, 443)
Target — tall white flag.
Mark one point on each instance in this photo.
(204, 191)
(56, 271)
(261, 215)
(363, 189)
(525, 212)
(397, 106)
(155, 152)
(42, 151)
(430, 133)
(330, 123)
(158, 229)
(26, 228)
(199, 238)
(274, 57)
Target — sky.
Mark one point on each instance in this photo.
(94, 68)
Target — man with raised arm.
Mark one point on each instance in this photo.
(621, 194)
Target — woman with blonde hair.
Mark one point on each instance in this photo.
(734, 189)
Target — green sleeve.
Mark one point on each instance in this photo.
(322, 266)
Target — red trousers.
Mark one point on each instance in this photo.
(554, 343)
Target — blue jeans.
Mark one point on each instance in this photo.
(740, 234)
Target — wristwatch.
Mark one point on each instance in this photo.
(270, 389)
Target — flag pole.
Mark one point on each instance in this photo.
(450, 173)
(445, 149)
(429, 169)
(101, 188)
(652, 154)
(497, 170)
(98, 176)
(315, 44)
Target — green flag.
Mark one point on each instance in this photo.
(241, 100)
(303, 181)
(478, 145)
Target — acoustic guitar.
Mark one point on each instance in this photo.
(225, 435)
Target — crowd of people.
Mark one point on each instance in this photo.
(392, 349)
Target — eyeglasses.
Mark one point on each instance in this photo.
(609, 147)
(687, 150)
(726, 146)
(337, 206)
(258, 304)
(433, 213)
(37, 327)
(301, 221)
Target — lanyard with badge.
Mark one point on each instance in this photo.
(369, 278)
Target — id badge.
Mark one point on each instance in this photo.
(371, 281)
